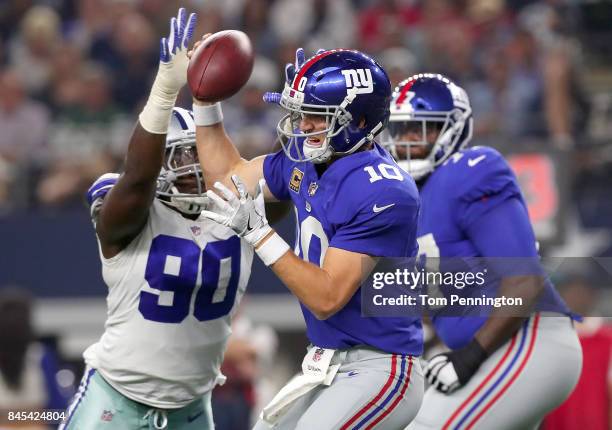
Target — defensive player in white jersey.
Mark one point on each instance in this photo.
(174, 278)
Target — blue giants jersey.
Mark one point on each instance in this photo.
(454, 198)
(362, 203)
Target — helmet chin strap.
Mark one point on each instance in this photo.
(188, 205)
(418, 169)
(318, 155)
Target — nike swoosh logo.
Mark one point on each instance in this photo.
(377, 209)
(249, 228)
(474, 161)
(195, 417)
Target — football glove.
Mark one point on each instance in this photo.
(290, 71)
(173, 60)
(244, 214)
(171, 74)
(451, 370)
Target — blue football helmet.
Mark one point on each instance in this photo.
(181, 160)
(419, 103)
(348, 88)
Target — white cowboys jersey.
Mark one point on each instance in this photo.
(171, 294)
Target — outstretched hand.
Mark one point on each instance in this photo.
(244, 214)
(173, 59)
(290, 71)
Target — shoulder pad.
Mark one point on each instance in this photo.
(479, 171)
(379, 184)
(98, 190)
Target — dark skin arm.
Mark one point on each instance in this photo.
(500, 326)
(126, 207)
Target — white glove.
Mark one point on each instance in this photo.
(245, 215)
(171, 74)
(441, 374)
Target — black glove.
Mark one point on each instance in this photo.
(451, 370)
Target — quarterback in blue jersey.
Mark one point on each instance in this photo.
(353, 204)
(502, 372)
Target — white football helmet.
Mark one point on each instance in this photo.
(180, 161)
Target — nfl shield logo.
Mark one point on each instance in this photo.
(107, 416)
(312, 188)
(318, 354)
(196, 230)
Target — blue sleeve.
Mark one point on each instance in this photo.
(504, 236)
(484, 186)
(388, 233)
(276, 174)
(504, 231)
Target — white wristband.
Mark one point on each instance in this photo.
(272, 249)
(205, 115)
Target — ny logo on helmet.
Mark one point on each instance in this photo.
(360, 79)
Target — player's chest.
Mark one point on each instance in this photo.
(438, 233)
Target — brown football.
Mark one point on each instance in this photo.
(220, 66)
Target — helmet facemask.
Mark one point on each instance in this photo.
(337, 120)
(450, 127)
(181, 168)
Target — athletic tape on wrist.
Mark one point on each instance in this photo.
(272, 249)
(207, 115)
(155, 116)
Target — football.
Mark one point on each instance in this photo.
(220, 66)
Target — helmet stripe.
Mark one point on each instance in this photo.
(181, 120)
(308, 64)
(404, 92)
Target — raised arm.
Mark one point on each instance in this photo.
(219, 157)
(125, 209)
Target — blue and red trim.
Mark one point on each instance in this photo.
(373, 412)
(515, 367)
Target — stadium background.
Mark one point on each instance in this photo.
(74, 74)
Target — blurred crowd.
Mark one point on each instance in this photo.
(74, 75)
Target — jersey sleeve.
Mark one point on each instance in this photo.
(486, 182)
(276, 173)
(385, 226)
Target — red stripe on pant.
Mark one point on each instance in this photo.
(397, 399)
(375, 399)
(511, 381)
(482, 384)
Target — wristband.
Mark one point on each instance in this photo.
(207, 115)
(272, 249)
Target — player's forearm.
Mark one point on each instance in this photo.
(504, 321)
(309, 283)
(144, 158)
(218, 155)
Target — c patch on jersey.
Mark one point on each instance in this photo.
(296, 179)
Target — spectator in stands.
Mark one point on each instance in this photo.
(24, 125)
(32, 50)
(131, 54)
(253, 123)
(250, 358)
(86, 139)
(28, 369)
